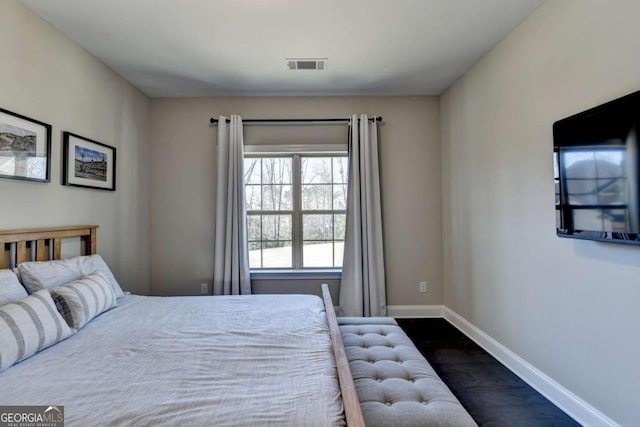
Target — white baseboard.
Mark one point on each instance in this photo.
(577, 408)
(407, 311)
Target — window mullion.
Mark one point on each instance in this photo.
(297, 209)
(261, 215)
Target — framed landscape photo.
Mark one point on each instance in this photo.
(88, 163)
(25, 147)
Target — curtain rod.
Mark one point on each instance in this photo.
(214, 121)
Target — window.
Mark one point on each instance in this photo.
(594, 189)
(296, 210)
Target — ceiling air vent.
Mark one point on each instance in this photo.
(306, 63)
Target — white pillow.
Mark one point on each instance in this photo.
(83, 299)
(38, 275)
(28, 326)
(10, 288)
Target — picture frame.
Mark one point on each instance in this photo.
(88, 163)
(25, 147)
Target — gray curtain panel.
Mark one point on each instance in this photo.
(362, 290)
(231, 253)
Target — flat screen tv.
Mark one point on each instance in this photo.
(597, 162)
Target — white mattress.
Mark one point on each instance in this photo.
(215, 361)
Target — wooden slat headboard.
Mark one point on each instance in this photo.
(43, 244)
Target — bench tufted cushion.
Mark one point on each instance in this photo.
(395, 383)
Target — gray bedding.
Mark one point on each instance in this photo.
(214, 361)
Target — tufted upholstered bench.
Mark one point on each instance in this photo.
(395, 383)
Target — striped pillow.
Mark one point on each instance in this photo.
(28, 326)
(83, 299)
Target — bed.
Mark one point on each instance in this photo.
(232, 360)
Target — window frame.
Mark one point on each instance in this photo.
(296, 153)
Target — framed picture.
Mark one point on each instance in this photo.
(88, 163)
(25, 147)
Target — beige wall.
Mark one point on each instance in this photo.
(568, 307)
(47, 77)
(183, 155)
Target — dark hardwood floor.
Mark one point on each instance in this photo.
(492, 394)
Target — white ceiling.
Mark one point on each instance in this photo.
(178, 48)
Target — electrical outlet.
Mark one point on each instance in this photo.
(422, 287)
(204, 288)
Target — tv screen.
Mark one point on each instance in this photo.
(596, 165)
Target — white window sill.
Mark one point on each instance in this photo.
(287, 274)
